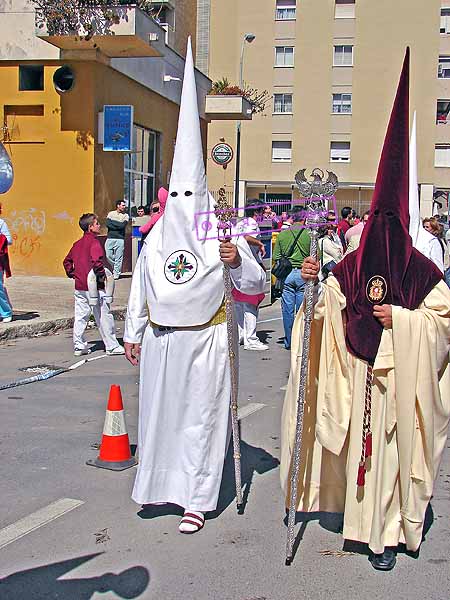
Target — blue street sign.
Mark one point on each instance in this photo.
(118, 127)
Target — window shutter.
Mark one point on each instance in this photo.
(281, 151)
(345, 11)
(442, 156)
(340, 151)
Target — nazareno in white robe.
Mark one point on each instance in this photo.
(184, 397)
(410, 416)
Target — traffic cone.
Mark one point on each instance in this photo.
(115, 451)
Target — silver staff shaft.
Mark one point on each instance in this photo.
(232, 348)
(296, 455)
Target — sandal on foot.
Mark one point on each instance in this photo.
(191, 522)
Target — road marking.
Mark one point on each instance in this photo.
(249, 409)
(269, 320)
(41, 517)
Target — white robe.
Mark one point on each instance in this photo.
(184, 397)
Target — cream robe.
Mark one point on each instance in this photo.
(410, 416)
(184, 396)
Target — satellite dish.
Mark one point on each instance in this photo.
(6, 171)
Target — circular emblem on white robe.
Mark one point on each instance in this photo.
(180, 267)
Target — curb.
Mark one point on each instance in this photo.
(47, 327)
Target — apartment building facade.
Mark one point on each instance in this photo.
(331, 68)
(53, 90)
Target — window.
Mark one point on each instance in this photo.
(285, 10)
(344, 9)
(139, 179)
(444, 67)
(22, 123)
(442, 155)
(445, 20)
(342, 103)
(339, 151)
(281, 151)
(443, 108)
(31, 78)
(284, 56)
(343, 56)
(282, 103)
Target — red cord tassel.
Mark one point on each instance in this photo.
(368, 445)
(361, 476)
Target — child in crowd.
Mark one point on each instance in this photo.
(86, 254)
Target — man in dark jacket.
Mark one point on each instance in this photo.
(116, 222)
(86, 255)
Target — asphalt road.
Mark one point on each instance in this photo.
(100, 544)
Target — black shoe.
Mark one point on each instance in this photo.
(385, 561)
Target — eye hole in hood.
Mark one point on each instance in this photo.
(174, 194)
(187, 193)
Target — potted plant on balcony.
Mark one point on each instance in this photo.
(84, 18)
(226, 101)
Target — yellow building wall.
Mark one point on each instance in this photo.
(53, 176)
(60, 169)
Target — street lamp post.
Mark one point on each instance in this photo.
(248, 38)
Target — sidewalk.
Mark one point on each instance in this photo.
(43, 305)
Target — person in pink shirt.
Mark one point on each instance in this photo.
(157, 211)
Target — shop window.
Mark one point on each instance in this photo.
(31, 78)
(281, 151)
(340, 152)
(140, 169)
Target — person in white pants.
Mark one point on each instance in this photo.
(246, 315)
(85, 255)
(103, 319)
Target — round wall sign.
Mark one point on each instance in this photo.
(222, 154)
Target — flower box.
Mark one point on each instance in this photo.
(228, 108)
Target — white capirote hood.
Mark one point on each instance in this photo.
(185, 273)
(422, 239)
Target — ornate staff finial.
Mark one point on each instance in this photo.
(225, 213)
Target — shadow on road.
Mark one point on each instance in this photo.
(334, 522)
(43, 583)
(252, 460)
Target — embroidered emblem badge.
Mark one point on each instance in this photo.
(180, 267)
(376, 289)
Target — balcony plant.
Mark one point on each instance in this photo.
(258, 99)
(84, 18)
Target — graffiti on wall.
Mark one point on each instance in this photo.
(27, 227)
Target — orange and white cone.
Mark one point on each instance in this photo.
(115, 453)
